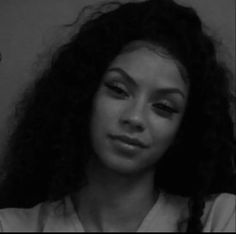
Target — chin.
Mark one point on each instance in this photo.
(122, 165)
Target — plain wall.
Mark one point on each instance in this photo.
(30, 27)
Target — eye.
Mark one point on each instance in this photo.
(116, 89)
(164, 108)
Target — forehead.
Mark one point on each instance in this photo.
(150, 68)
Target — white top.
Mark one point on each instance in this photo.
(60, 216)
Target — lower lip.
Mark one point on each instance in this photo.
(125, 148)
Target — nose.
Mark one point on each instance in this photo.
(133, 117)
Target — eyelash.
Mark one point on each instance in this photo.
(157, 107)
(116, 89)
(166, 108)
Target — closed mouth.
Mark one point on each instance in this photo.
(129, 140)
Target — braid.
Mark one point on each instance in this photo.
(196, 206)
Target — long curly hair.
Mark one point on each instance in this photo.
(45, 157)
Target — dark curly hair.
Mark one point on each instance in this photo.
(46, 152)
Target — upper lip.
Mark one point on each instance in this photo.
(130, 140)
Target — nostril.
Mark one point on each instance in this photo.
(133, 117)
(133, 124)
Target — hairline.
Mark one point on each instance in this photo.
(159, 50)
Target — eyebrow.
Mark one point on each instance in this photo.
(130, 80)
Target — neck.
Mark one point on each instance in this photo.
(113, 201)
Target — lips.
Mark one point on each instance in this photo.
(129, 140)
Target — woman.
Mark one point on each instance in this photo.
(128, 129)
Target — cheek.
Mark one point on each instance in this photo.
(163, 132)
(105, 115)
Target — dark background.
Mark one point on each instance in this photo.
(28, 28)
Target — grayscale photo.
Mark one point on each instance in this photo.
(117, 116)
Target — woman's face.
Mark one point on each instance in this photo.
(137, 110)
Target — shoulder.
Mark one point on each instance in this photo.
(219, 214)
(25, 219)
(20, 219)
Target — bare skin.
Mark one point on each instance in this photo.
(143, 96)
(113, 202)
